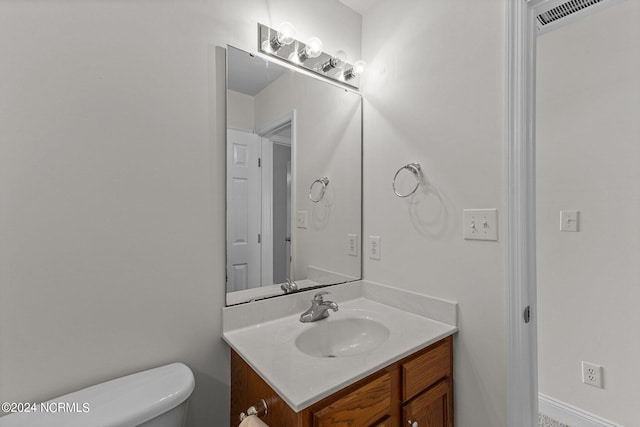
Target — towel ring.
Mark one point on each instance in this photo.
(324, 181)
(259, 409)
(414, 168)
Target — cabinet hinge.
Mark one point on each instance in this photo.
(259, 162)
(259, 238)
(527, 314)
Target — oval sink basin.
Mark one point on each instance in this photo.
(342, 337)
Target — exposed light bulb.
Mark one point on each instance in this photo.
(358, 68)
(286, 35)
(313, 49)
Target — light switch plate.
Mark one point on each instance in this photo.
(569, 220)
(352, 244)
(374, 247)
(302, 218)
(480, 224)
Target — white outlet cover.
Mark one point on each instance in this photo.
(302, 218)
(374, 247)
(592, 374)
(352, 244)
(480, 224)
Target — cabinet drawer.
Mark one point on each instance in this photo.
(361, 407)
(425, 370)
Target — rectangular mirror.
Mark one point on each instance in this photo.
(294, 180)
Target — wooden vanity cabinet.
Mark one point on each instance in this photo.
(431, 408)
(416, 391)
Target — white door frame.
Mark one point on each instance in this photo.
(520, 250)
(265, 131)
(282, 141)
(267, 212)
(520, 244)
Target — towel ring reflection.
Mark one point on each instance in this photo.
(414, 168)
(259, 409)
(324, 181)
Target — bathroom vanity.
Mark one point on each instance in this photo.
(385, 358)
(415, 391)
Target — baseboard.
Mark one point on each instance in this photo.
(570, 415)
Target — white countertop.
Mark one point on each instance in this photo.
(268, 346)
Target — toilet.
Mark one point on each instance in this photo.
(153, 398)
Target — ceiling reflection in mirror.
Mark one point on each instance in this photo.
(294, 180)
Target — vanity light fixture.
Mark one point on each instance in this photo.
(281, 44)
(358, 68)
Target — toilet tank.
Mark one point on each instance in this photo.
(156, 397)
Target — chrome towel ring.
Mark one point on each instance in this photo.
(414, 168)
(324, 181)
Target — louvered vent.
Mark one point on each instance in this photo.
(564, 10)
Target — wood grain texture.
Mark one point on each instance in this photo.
(248, 388)
(431, 408)
(425, 370)
(384, 423)
(362, 407)
(374, 401)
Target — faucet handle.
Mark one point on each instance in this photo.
(318, 297)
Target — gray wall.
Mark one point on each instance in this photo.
(588, 152)
(327, 142)
(112, 186)
(434, 94)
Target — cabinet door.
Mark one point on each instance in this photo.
(361, 407)
(384, 423)
(430, 409)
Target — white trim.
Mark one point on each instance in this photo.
(520, 216)
(276, 124)
(282, 141)
(267, 212)
(266, 131)
(570, 415)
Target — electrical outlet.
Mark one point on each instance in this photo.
(592, 374)
(352, 244)
(302, 218)
(374, 247)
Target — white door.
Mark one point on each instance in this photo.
(243, 210)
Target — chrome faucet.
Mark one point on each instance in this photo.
(289, 287)
(319, 308)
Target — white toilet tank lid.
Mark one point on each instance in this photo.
(122, 402)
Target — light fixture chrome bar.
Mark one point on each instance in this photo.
(325, 65)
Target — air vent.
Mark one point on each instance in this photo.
(561, 12)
